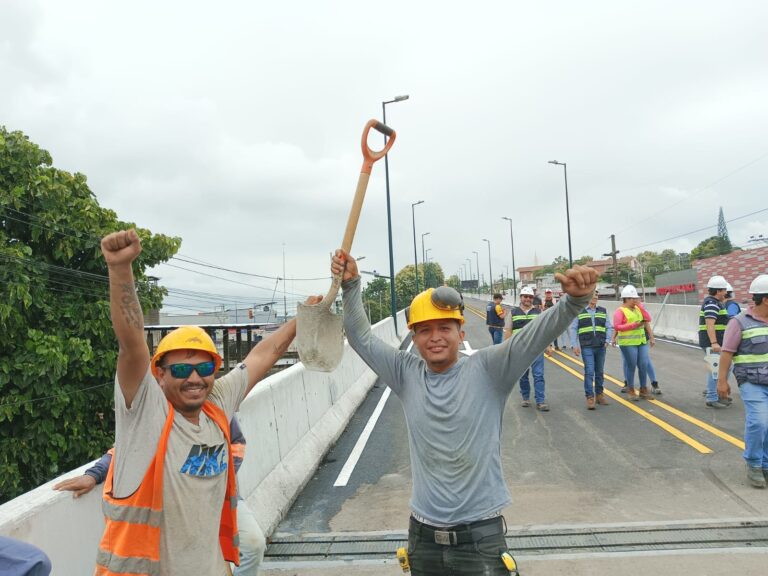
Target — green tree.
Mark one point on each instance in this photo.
(57, 349)
(376, 298)
(454, 282)
(583, 260)
(712, 246)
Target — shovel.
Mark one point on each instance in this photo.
(319, 332)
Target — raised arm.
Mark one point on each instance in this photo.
(380, 356)
(508, 361)
(120, 249)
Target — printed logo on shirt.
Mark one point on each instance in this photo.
(204, 460)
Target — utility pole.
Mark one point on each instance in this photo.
(612, 254)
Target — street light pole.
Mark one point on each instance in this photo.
(567, 210)
(415, 259)
(490, 270)
(426, 270)
(477, 262)
(422, 248)
(514, 271)
(392, 296)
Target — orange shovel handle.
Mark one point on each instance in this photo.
(371, 156)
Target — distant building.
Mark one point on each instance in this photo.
(739, 268)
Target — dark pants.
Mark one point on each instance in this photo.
(479, 558)
(594, 365)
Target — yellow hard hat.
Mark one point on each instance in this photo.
(436, 304)
(186, 338)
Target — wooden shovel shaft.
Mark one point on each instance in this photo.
(369, 157)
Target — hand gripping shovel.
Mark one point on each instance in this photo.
(319, 332)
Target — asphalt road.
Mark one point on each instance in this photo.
(671, 459)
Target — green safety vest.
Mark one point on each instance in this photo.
(750, 362)
(636, 336)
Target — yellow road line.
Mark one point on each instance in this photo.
(677, 433)
(475, 311)
(693, 420)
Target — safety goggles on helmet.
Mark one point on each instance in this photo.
(184, 371)
(447, 298)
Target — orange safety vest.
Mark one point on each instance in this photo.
(131, 540)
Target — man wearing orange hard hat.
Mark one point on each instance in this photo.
(453, 408)
(170, 493)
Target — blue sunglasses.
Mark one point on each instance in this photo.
(185, 370)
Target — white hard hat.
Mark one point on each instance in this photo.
(728, 288)
(718, 283)
(759, 285)
(527, 291)
(629, 291)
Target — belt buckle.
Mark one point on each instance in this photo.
(445, 537)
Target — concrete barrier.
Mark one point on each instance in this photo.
(290, 420)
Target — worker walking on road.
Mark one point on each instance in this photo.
(453, 406)
(521, 316)
(170, 492)
(745, 344)
(591, 332)
(633, 339)
(494, 318)
(713, 318)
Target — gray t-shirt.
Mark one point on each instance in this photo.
(195, 470)
(454, 417)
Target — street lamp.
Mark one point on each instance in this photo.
(512, 243)
(415, 259)
(567, 210)
(477, 262)
(422, 247)
(490, 270)
(426, 270)
(470, 267)
(393, 299)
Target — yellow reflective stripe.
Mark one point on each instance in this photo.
(718, 327)
(132, 514)
(589, 329)
(750, 359)
(127, 565)
(759, 331)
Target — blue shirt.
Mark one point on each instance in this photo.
(574, 329)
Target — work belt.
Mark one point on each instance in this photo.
(459, 534)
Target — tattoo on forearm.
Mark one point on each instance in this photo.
(280, 349)
(130, 307)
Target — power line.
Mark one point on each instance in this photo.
(696, 231)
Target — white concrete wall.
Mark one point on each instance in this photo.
(290, 420)
(673, 321)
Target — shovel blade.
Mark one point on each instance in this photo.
(319, 337)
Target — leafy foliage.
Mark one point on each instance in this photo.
(57, 348)
(712, 246)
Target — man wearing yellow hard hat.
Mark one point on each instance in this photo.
(170, 494)
(453, 407)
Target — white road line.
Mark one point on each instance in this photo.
(468, 351)
(357, 451)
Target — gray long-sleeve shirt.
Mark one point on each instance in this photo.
(454, 417)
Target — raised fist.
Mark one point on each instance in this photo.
(121, 247)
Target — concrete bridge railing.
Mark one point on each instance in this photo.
(290, 420)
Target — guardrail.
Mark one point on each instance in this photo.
(290, 420)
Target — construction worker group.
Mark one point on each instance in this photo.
(170, 496)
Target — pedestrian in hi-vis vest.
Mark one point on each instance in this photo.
(591, 332)
(521, 315)
(713, 318)
(453, 405)
(170, 492)
(494, 318)
(745, 345)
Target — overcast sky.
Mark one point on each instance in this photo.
(236, 125)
